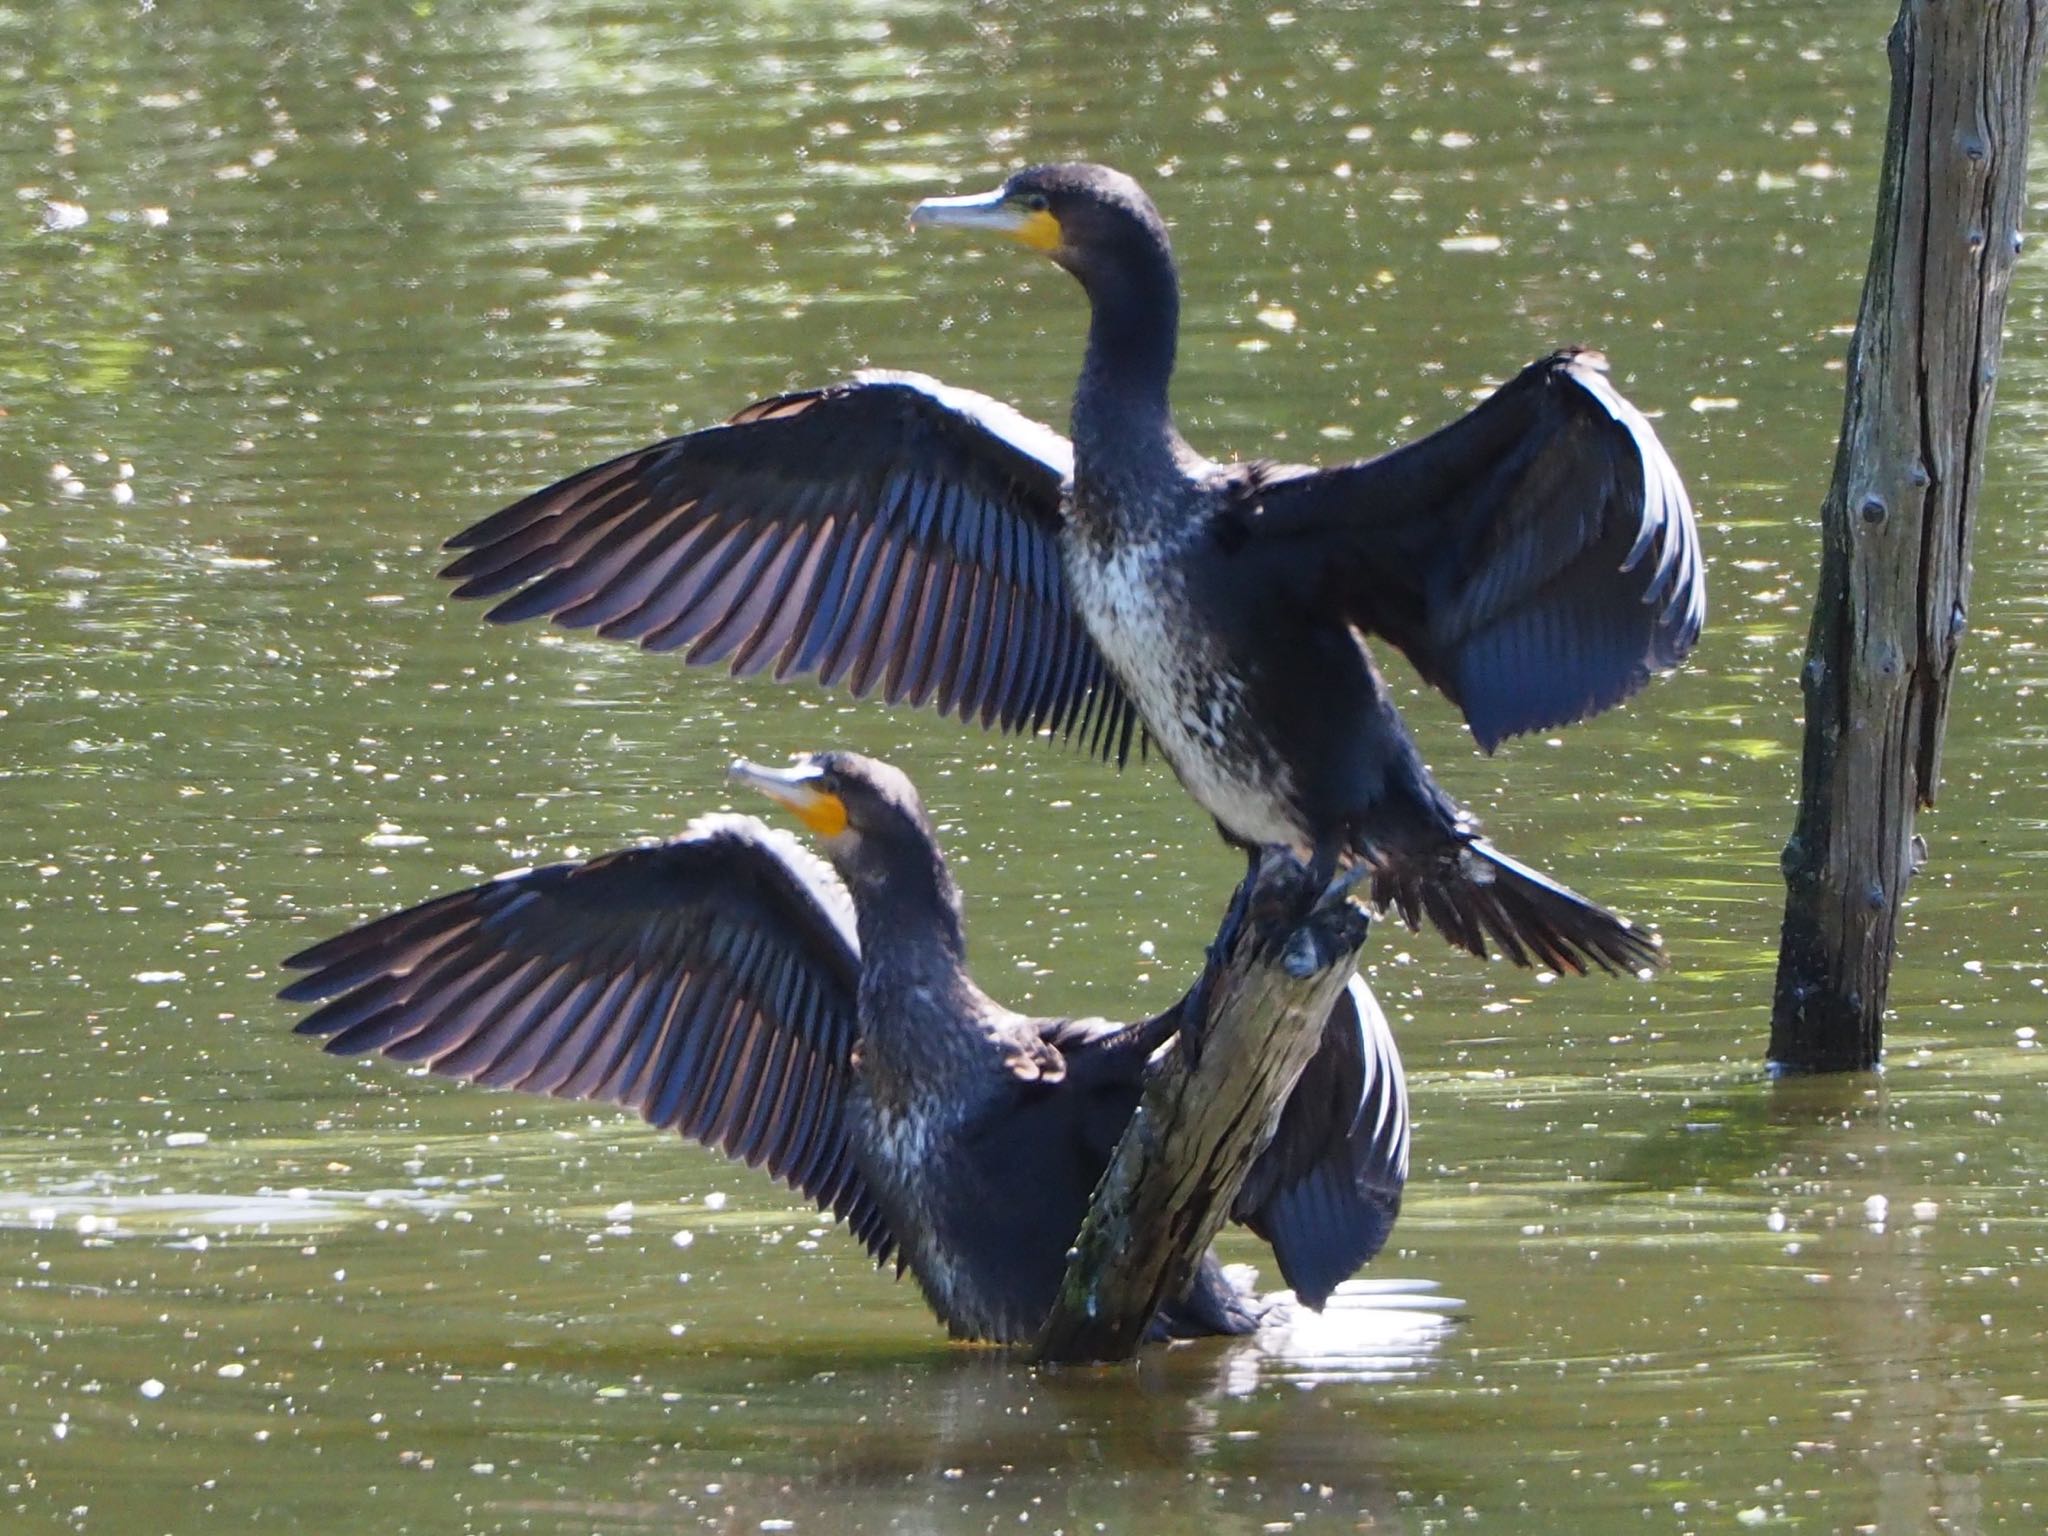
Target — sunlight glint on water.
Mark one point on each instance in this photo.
(290, 298)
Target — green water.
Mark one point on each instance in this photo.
(289, 292)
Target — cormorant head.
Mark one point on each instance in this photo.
(1095, 222)
(873, 824)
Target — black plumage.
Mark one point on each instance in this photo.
(888, 533)
(818, 1021)
(1536, 560)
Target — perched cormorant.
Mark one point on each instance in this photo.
(1535, 560)
(729, 984)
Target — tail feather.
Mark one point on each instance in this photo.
(1478, 898)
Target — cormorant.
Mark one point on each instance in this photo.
(729, 984)
(1535, 560)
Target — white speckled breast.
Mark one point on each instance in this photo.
(902, 1154)
(1133, 602)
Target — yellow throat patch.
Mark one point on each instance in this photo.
(1040, 230)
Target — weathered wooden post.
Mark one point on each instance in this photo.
(1895, 565)
(1199, 1126)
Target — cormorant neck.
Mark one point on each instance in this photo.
(907, 910)
(1123, 422)
(914, 988)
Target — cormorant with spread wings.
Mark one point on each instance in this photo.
(818, 1021)
(1536, 560)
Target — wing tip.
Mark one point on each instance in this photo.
(302, 989)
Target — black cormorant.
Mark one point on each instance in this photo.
(1536, 560)
(729, 984)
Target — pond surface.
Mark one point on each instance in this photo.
(293, 291)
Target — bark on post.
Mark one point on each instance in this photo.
(1895, 566)
(1198, 1128)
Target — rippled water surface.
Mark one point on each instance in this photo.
(290, 292)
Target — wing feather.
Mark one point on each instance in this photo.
(1536, 560)
(886, 534)
(708, 982)
(1327, 1188)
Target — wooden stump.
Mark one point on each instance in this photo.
(1201, 1122)
(1895, 566)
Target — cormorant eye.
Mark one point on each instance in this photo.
(1037, 202)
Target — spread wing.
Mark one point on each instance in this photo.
(1325, 1191)
(708, 982)
(890, 532)
(1327, 1188)
(1536, 559)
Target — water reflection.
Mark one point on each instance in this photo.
(974, 1440)
(194, 1220)
(1371, 1331)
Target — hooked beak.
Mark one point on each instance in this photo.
(991, 211)
(796, 790)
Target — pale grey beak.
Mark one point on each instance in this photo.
(981, 210)
(796, 790)
(776, 783)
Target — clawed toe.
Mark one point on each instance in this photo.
(1331, 932)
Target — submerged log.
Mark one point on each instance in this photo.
(1895, 567)
(1206, 1113)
